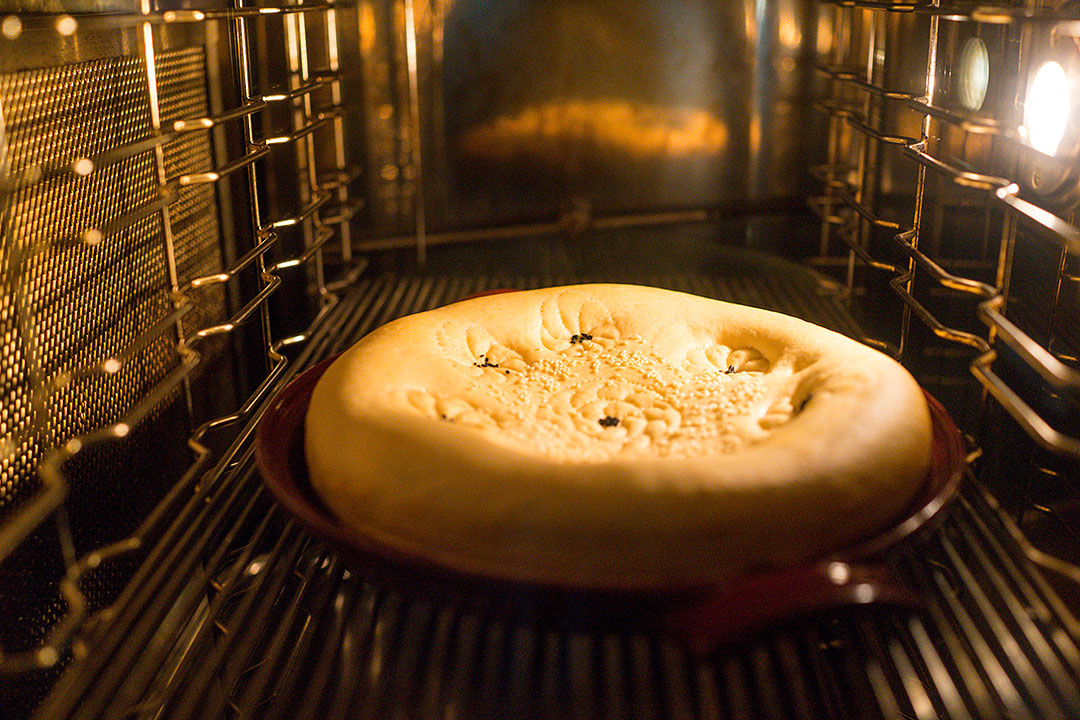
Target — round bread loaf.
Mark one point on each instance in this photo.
(603, 436)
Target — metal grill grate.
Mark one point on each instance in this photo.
(236, 612)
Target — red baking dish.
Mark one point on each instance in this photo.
(701, 617)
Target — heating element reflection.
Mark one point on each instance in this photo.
(638, 130)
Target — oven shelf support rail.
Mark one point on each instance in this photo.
(325, 184)
(1001, 192)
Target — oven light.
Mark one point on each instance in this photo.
(1047, 108)
(973, 74)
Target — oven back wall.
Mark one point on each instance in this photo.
(517, 111)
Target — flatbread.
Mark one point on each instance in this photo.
(614, 436)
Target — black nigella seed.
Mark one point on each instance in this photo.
(730, 369)
(608, 421)
(579, 338)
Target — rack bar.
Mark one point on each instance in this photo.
(905, 240)
(826, 174)
(877, 5)
(855, 77)
(835, 109)
(1005, 191)
(205, 123)
(212, 176)
(819, 205)
(256, 302)
(268, 241)
(839, 73)
(1056, 373)
(339, 178)
(858, 124)
(317, 244)
(866, 212)
(1007, 15)
(877, 90)
(345, 212)
(1044, 434)
(975, 126)
(313, 207)
(965, 178)
(247, 12)
(867, 259)
(320, 81)
(1067, 233)
(898, 284)
(320, 120)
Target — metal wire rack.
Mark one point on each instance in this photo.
(317, 131)
(234, 610)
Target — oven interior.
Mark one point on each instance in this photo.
(199, 200)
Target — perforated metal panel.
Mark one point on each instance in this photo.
(69, 292)
(84, 273)
(77, 292)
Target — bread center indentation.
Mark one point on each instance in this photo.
(593, 395)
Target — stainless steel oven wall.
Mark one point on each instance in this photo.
(488, 113)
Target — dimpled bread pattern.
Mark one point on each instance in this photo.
(605, 396)
(614, 435)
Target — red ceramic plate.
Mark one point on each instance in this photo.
(694, 612)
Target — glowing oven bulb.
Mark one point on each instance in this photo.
(1047, 108)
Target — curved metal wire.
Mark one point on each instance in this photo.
(1006, 193)
(52, 490)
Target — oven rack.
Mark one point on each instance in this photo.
(325, 213)
(866, 118)
(234, 611)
